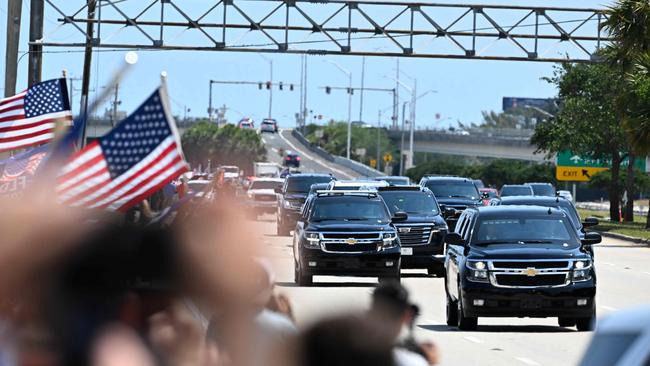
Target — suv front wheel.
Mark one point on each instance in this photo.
(464, 322)
(300, 278)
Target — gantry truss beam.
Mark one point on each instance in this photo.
(339, 27)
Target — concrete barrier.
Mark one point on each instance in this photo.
(353, 165)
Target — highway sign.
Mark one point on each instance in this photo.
(576, 173)
(567, 158)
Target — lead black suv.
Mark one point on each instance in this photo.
(292, 196)
(346, 233)
(519, 261)
(422, 234)
(454, 194)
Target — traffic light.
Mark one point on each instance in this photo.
(328, 90)
(280, 85)
(268, 85)
(291, 87)
(259, 86)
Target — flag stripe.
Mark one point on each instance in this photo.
(18, 128)
(27, 142)
(118, 182)
(12, 116)
(152, 188)
(29, 134)
(150, 176)
(26, 121)
(90, 184)
(80, 157)
(89, 169)
(15, 106)
(12, 98)
(117, 188)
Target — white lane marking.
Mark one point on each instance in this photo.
(474, 340)
(312, 158)
(527, 361)
(607, 263)
(608, 308)
(275, 150)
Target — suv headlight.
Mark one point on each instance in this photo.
(581, 270)
(286, 204)
(477, 271)
(312, 240)
(389, 239)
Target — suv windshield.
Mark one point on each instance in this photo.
(416, 203)
(265, 184)
(521, 230)
(349, 208)
(453, 189)
(516, 191)
(543, 189)
(302, 184)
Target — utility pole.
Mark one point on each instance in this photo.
(88, 52)
(396, 103)
(378, 141)
(349, 74)
(271, 91)
(13, 37)
(210, 102)
(401, 149)
(301, 107)
(35, 68)
(116, 102)
(409, 162)
(363, 73)
(306, 111)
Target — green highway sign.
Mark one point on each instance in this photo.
(568, 159)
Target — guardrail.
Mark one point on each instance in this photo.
(353, 165)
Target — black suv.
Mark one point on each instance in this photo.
(422, 234)
(454, 194)
(519, 261)
(346, 233)
(292, 196)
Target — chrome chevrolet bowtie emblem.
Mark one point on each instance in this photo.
(530, 272)
(351, 241)
(405, 230)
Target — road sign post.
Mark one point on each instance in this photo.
(576, 168)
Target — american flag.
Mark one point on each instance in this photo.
(128, 164)
(29, 118)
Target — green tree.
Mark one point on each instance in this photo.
(228, 145)
(588, 122)
(628, 23)
(334, 140)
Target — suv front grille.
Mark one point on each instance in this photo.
(328, 236)
(344, 242)
(526, 281)
(414, 235)
(530, 273)
(265, 197)
(346, 248)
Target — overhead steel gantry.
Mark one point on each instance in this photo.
(336, 27)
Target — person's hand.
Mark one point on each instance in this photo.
(431, 352)
(280, 303)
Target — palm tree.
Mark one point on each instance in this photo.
(628, 24)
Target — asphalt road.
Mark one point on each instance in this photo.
(623, 281)
(310, 163)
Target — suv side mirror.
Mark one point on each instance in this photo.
(400, 216)
(448, 211)
(485, 195)
(591, 239)
(278, 190)
(590, 221)
(454, 239)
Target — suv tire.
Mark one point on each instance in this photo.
(586, 324)
(566, 322)
(436, 270)
(397, 277)
(452, 313)
(282, 230)
(300, 278)
(464, 323)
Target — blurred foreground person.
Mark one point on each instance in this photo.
(349, 340)
(391, 307)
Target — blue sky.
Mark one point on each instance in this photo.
(464, 87)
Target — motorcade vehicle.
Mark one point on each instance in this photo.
(317, 187)
(621, 338)
(266, 169)
(487, 194)
(516, 190)
(557, 202)
(542, 189)
(291, 198)
(479, 184)
(356, 184)
(346, 233)
(269, 125)
(394, 180)
(261, 196)
(291, 159)
(246, 124)
(422, 234)
(565, 194)
(519, 261)
(454, 195)
(198, 187)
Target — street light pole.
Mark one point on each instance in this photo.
(409, 162)
(378, 139)
(363, 73)
(349, 74)
(401, 149)
(270, 61)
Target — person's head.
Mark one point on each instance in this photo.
(347, 340)
(390, 302)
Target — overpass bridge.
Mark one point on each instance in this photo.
(498, 144)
